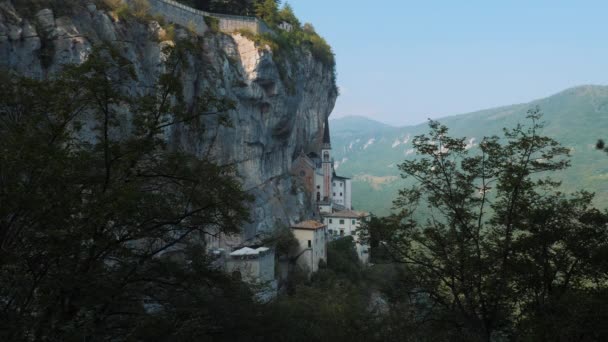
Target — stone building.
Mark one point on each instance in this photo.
(312, 248)
(255, 266)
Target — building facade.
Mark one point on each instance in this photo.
(312, 245)
(345, 223)
(330, 192)
(253, 266)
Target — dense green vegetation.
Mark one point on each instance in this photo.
(90, 204)
(268, 10)
(575, 117)
(102, 223)
(282, 42)
(102, 229)
(523, 263)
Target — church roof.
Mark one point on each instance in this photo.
(310, 225)
(339, 177)
(326, 139)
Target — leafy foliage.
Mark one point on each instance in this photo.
(501, 249)
(102, 224)
(283, 43)
(574, 117)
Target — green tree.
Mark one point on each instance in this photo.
(286, 14)
(501, 248)
(268, 10)
(102, 223)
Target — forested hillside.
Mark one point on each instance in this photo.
(370, 151)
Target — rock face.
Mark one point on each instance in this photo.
(272, 123)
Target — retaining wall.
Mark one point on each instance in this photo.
(186, 16)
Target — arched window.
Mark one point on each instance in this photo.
(326, 156)
(318, 196)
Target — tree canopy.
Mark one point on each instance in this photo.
(502, 252)
(102, 224)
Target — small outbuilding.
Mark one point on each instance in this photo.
(254, 266)
(312, 248)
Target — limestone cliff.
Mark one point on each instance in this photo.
(272, 123)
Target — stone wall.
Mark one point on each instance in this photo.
(183, 15)
(180, 14)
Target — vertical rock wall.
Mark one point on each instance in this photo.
(271, 123)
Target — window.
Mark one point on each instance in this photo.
(341, 221)
(309, 243)
(340, 194)
(340, 184)
(330, 221)
(341, 232)
(318, 187)
(318, 196)
(334, 194)
(334, 183)
(302, 173)
(353, 221)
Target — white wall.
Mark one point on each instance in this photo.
(348, 195)
(318, 185)
(348, 226)
(350, 229)
(339, 191)
(309, 260)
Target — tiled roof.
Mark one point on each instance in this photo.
(310, 224)
(348, 214)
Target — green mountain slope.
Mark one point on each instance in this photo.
(370, 151)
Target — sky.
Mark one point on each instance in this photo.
(401, 61)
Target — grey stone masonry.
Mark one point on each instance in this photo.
(183, 15)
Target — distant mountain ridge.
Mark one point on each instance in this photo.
(356, 125)
(370, 151)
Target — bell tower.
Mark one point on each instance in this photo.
(326, 163)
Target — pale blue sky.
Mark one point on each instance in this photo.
(403, 61)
